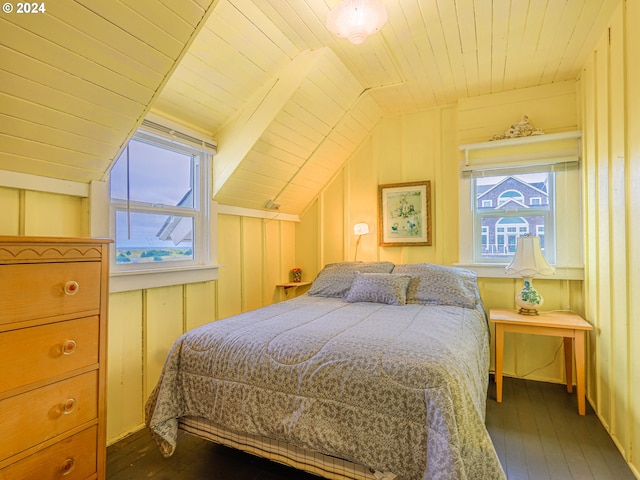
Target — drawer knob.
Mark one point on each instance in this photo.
(67, 466)
(69, 347)
(71, 287)
(69, 405)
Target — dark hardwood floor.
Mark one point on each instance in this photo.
(536, 430)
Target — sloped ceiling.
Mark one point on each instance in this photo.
(78, 78)
(286, 101)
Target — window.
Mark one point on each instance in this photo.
(516, 186)
(159, 206)
(499, 227)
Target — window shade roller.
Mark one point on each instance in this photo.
(522, 155)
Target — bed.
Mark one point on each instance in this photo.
(380, 371)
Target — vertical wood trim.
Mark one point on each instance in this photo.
(22, 213)
(145, 350)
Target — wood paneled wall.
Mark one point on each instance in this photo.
(424, 146)
(610, 114)
(255, 254)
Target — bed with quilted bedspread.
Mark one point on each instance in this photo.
(382, 365)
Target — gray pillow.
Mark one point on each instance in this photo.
(335, 279)
(433, 284)
(386, 288)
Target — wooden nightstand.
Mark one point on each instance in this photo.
(569, 325)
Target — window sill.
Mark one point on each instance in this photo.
(484, 270)
(140, 280)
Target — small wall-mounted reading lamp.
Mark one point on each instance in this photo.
(359, 229)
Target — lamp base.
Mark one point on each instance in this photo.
(528, 299)
(528, 311)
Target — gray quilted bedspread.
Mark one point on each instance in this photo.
(397, 389)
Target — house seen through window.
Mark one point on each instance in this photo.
(158, 213)
(509, 206)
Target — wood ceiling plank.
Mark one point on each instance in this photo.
(29, 44)
(466, 20)
(483, 11)
(59, 80)
(84, 45)
(277, 137)
(527, 63)
(306, 117)
(591, 25)
(266, 164)
(249, 188)
(63, 156)
(162, 17)
(227, 60)
(499, 36)
(106, 32)
(53, 135)
(188, 110)
(314, 99)
(261, 181)
(515, 63)
(192, 83)
(293, 124)
(451, 28)
(263, 23)
(562, 39)
(245, 36)
(137, 25)
(20, 87)
(190, 12)
(273, 151)
(37, 113)
(438, 66)
(36, 166)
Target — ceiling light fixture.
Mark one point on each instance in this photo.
(355, 20)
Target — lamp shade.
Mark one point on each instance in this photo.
(528, 259)
(355, 20)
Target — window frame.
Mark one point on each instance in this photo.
(202, 267)
(478, 215)
(559, 152)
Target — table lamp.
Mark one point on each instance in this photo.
(527, 262)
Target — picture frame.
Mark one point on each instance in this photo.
(404, 214)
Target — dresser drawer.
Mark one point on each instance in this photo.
(42, 290)
(50, 411)
(33, 354)
(71, 459)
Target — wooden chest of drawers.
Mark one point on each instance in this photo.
(53, 343)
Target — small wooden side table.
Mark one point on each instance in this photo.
(569, 325)
(288, 290)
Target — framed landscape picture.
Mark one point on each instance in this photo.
(404, 214)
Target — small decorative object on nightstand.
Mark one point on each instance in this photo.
(527, 262)
(296, 274)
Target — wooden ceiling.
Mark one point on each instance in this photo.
(286, 101)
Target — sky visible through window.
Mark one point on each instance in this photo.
(157, 177)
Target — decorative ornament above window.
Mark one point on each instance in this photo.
(355, 20)
(521, 129)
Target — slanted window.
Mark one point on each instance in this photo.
(159, 206)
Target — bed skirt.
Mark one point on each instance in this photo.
(316, 463)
